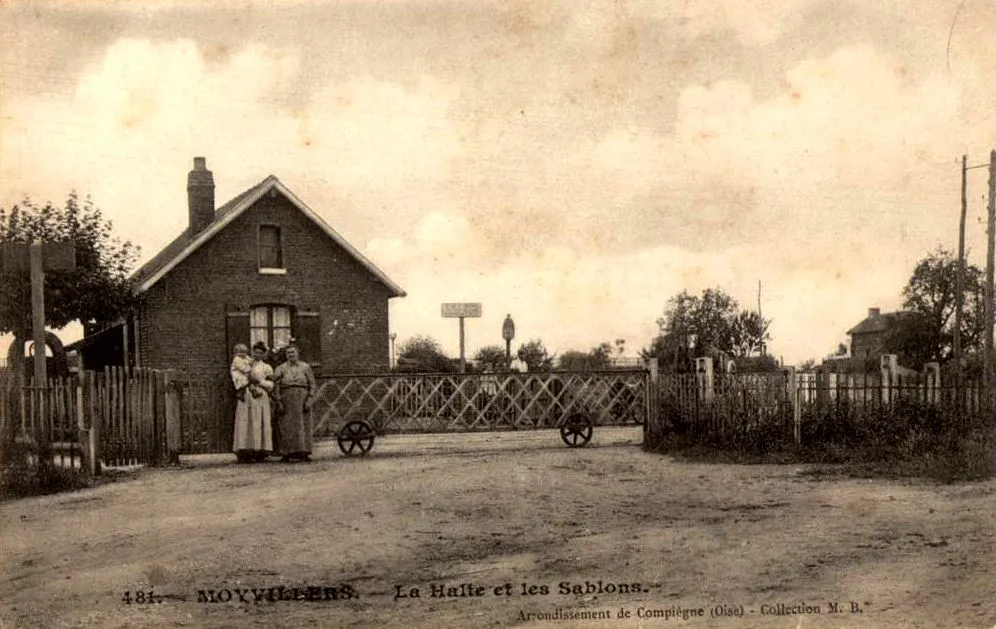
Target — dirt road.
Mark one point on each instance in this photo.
(511, 530)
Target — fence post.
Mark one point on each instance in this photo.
(82, 432)
(890, 372)
(795, 393)
(651, 425)
(97, 410)
(173, 430)
(158, 418)
(703, 372)
(932, 380)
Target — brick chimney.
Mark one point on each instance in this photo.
(200, 196)
(874, 312)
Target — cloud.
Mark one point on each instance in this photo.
(553, 181)
(755, 22)
(145, 108)
(827, 191)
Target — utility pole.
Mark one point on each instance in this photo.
(759, 315)
(40, 380)
(960, 272)
(990, 254)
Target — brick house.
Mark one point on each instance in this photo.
(263, 266)
(868, 340)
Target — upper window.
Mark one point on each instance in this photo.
(270, 324)
(271, 253)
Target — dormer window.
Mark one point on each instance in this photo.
(271, 253)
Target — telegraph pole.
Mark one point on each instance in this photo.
(40, 380)
(759, 315)
(960, 271)
(990, 254)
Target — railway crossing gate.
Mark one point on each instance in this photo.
(357, 409)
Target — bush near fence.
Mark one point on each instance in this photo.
(903, 432)
(946, 433)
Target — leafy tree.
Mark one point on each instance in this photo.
(97, 290)
(808, 365)
(692, 324)
(599, 357)
(915, 340)
(535, 355)
(620, 346)
(493, 355)
(424, 354)
(926, 331)
(757, 364)
(748, 332)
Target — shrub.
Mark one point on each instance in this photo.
(903, 438)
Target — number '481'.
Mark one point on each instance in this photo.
(138, 597)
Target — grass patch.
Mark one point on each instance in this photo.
(901, 445)
(21, 480)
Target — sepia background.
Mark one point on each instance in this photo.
(572, 164)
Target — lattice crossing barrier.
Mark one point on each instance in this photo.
(432, 403)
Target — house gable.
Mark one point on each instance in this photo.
(263, 266)
(187, 316)
(187, 243)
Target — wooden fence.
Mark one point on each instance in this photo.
(969, 402)
(786, 407)
(205, 407)
(111, 418)
(48, 417)
(725, 405)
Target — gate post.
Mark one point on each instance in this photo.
(159, 455)
(97, 409)
(932, 381)
(890, 376)
(795, 393)
(173, 431)
(652, 423)
(82, 432)
(703, 371)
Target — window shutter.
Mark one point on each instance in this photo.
(308, 337)
(236, 330)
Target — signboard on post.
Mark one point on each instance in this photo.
(508, 333)
(461, 311)
(56, 256)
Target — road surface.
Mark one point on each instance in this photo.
(500, 530)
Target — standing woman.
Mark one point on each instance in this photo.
(295, 390)
(253, 438)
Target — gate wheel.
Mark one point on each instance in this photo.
(577, 430)
(356, 437)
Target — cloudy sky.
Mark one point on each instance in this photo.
(572, 163)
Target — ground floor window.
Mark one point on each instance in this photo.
(270, 324)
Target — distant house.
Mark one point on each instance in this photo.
(262, 267)
(868, 340)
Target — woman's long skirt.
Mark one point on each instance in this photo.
(253, 430)
(295, 425)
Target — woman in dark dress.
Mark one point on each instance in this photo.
(295, 390)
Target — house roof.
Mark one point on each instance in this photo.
(876, 324)
(90, 339)
(186, 243)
